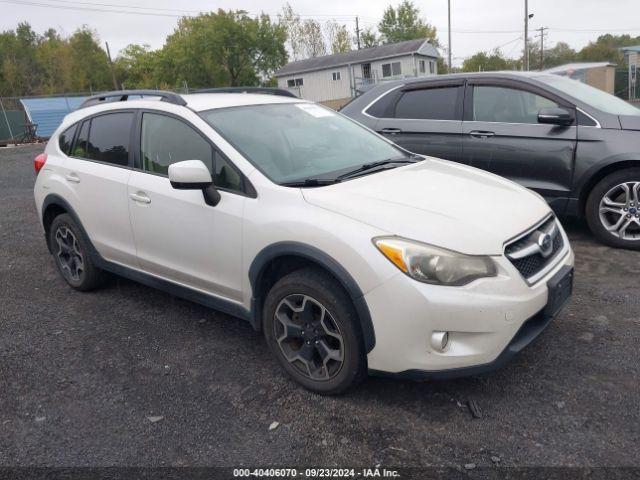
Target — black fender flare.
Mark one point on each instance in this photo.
(54, 199)
(315, 255)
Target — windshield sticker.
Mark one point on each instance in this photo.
(315, 110)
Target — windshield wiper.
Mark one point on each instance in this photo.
(310, 182)
(363, 169)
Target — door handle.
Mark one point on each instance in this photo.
(72, 177)
(140, 197)
(481, 134)
(390, 131)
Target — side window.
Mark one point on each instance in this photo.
(80, 148)
(507, 105)
(109, 138)
(430, 104)
(66, 139)
(166, 140)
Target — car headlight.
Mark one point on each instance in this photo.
(429, 264)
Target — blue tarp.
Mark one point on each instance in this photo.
(49, 112)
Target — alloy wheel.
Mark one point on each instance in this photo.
(69, 254)
(619, 211)
(309, 337)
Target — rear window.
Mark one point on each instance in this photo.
(430, 104)
(109, 137)
(65, 140)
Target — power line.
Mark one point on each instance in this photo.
(153, 11)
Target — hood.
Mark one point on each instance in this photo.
(630, 122)
(437, 202)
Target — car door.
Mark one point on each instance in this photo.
(178, 236)
(426, 118)
(502, 135)
(97, 172)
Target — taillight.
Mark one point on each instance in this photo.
(39, 162)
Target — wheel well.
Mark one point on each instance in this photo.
(280, 266)
(599, 175)
(51, 212)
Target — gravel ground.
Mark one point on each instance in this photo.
(131, 376)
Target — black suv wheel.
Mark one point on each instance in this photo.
(71, 254)
(311, 326)
(613, 209)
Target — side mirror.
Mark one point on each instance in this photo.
(194, 175)
(555, 116)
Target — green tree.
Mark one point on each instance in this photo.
(137, 67)
(607, 48)
(53, 56)
(489, 61)
(339, 38)
(404, 23)
(89, 63)
(19, 70)
(223, 48)
(369, 38)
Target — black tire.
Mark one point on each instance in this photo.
(70, 250)
(631, 210)
(314, 290)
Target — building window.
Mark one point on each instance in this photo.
(391, 69)
(335, 76)
(432, 67)
(422, 66)
(294, 82)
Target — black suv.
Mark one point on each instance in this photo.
(575, 145)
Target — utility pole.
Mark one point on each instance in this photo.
(449, 49)
(113, 73)
(358, 33)
(542, 34)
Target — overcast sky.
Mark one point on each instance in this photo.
(476, 24)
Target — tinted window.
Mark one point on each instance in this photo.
(507, 105)
(383, 107)
(429, 104)
(166, 140)
(66, 139)
(80, 148)
(109, 138)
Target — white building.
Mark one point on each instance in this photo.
(334, 79)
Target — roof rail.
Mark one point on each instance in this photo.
(266, 90)
(123, 95)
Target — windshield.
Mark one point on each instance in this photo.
(590, 95)
(291, 142)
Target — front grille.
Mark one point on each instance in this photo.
(530, 254)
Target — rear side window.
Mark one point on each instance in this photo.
(109, 138)
(430, 104)
(80, 148)
(65, 140)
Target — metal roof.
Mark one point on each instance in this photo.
(579, 66)
(419, 46)
(635, 48)
(47, 113)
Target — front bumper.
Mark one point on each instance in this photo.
(527, 333)
(489, 321)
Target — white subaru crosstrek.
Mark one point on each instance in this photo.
(351, 254)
